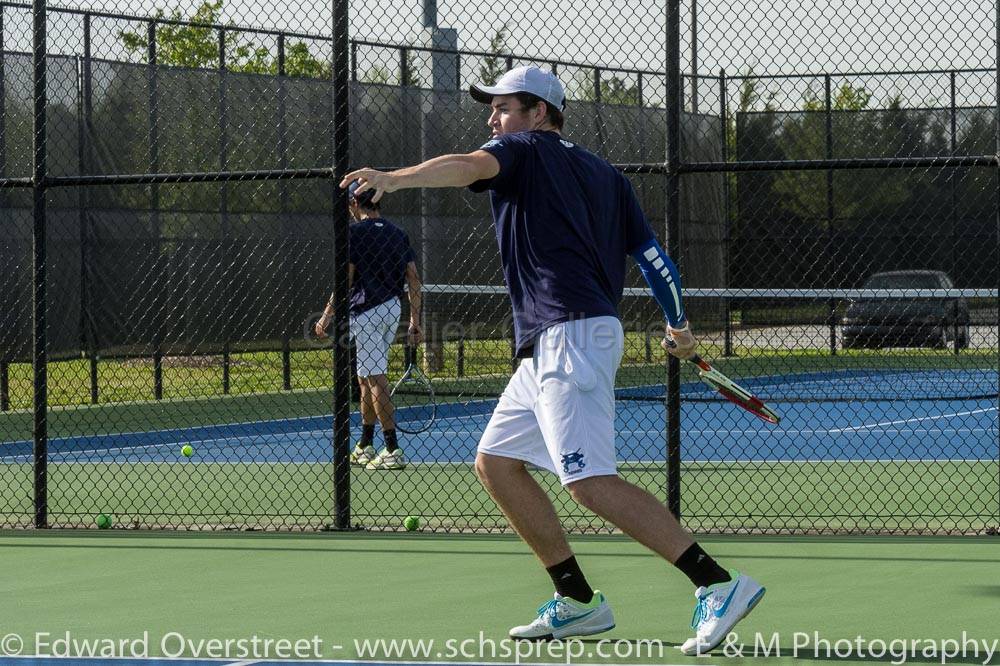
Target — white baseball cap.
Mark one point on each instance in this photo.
(523, 79)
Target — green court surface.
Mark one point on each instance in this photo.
(912, 495)
(344, 587)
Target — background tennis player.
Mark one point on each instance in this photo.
(565, 221)
(381, 258)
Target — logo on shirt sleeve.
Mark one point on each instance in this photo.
(490, 144)
(566, 143)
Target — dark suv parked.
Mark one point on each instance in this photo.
(907, 322)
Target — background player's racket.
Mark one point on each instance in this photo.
(413, 397)
(732, 391)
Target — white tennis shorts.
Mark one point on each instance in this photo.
(558, 411)
(374, 331)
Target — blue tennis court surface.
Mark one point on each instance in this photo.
(868, 429)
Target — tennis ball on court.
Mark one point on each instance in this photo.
(411, 523)
(103, 521)
(187, 450)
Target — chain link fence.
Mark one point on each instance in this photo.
(826, 181)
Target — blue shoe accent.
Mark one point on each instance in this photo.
(557, 623)
(756, 598)
(725, 606)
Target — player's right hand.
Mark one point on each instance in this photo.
(682, 342)
(371, 179)
(320, 329)
(414, 335)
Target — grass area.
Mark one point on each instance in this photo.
(820, 496)
(131, 380)
(193, 386)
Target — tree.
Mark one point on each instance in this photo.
(614, 89)
(494, 66)
(197, 46)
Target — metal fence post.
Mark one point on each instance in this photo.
(694, 56)
(154, 199)
(224, 212)
(832, 305)
(354, 60)
(404, 67)
(341, 358)
(953, 209)
(4, 383)
(88, 340)
(286, 352)
(996, 120)
(673, 158)
(4, 360)
(40, 434)
(727, 344)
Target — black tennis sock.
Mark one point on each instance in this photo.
(367, 434)
(390, 440)
(701, 568)
(570, 581)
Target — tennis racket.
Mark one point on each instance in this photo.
(413, 397)
(732, 391)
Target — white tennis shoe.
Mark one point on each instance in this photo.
(563, 617)
(362, 455)
(387, 460)
(718, 610)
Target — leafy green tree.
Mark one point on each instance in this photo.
(198, 46)
(494, 66)
(614, 89)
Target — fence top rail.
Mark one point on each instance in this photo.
(730, 292)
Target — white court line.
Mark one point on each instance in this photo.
(241, 440)
(914, 420)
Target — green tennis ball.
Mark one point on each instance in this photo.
(187, 450)
(411, 523)
(103, 521)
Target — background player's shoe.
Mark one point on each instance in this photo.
(362, 455)
(718, 610)
(563, 617)
(387, 460)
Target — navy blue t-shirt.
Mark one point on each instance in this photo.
(565, 221)
(379, 251)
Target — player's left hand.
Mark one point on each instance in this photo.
(371, 179)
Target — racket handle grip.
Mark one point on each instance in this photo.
(409, 355)
(694, 358)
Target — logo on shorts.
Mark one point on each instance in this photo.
(573, 458)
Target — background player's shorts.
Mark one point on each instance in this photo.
(373, 331)
(558, 411)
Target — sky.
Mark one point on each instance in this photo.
(773, 36)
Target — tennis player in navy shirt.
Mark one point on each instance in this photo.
(381, 260)
(565, 222)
